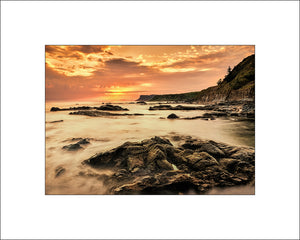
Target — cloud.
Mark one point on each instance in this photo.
(78, 72)
(69, 49)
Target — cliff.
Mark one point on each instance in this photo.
(238, 84)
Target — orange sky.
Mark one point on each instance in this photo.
(116, 73)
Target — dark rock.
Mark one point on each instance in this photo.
(109, 107)
(72, 147)
(59, 171)
(83, 141)
(155, 166)
(204, 146)
(103, 114)
(54, 109)
(201, 160)
(70, 109)
(141, 102)
(172, 116)
(57, 121)
(178, 107)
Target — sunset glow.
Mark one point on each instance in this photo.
(117, 73)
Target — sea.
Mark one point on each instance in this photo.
(105, 133)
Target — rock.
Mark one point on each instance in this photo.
(164, 164)
(76, 146)
(178, 107)
(70, 109)
(103, 114)
(172, 116)
(201, 160)
(83, 141)
(109, 107)
(155, 166)
(229, 164)
(54, 109)
(204, 146)
(134, 163)
(57, 121)
(141, 102)
(245, 154)
(72, 147)
(59, 171)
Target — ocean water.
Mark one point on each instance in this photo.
(106, 133)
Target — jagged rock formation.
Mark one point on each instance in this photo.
(155, 166)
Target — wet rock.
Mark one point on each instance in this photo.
(76, 146)
(141, 102)
(204, 146)
(245, 154)
(172, 116)
(72, 147)
(103, 114)
(109, 107)
(57, 121)
(83, 141)
(53, 109)
(155, 166)
(178, 107)
(201, 160)
(59, 171)
(135, 162)
(164, 164)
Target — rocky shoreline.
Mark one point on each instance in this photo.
(107, 107)
(156, 166)
(239, 109)
(103, 114)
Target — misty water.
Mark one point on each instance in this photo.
(105, 133)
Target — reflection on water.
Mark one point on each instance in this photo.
(108, 132)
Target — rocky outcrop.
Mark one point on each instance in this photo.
(172, 116)
(59, 171)
(103, 114)
(155, 166)
(54, 109)
(244, 109)
(141, 103)
(76, 146)
(180, 107)
(146, 97)
(57, 121)
(109, 107)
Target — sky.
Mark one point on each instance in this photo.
(123, 73)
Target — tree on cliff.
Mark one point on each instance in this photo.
(228, 70)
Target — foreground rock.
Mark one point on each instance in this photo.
(155, 166)
(103, 114)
